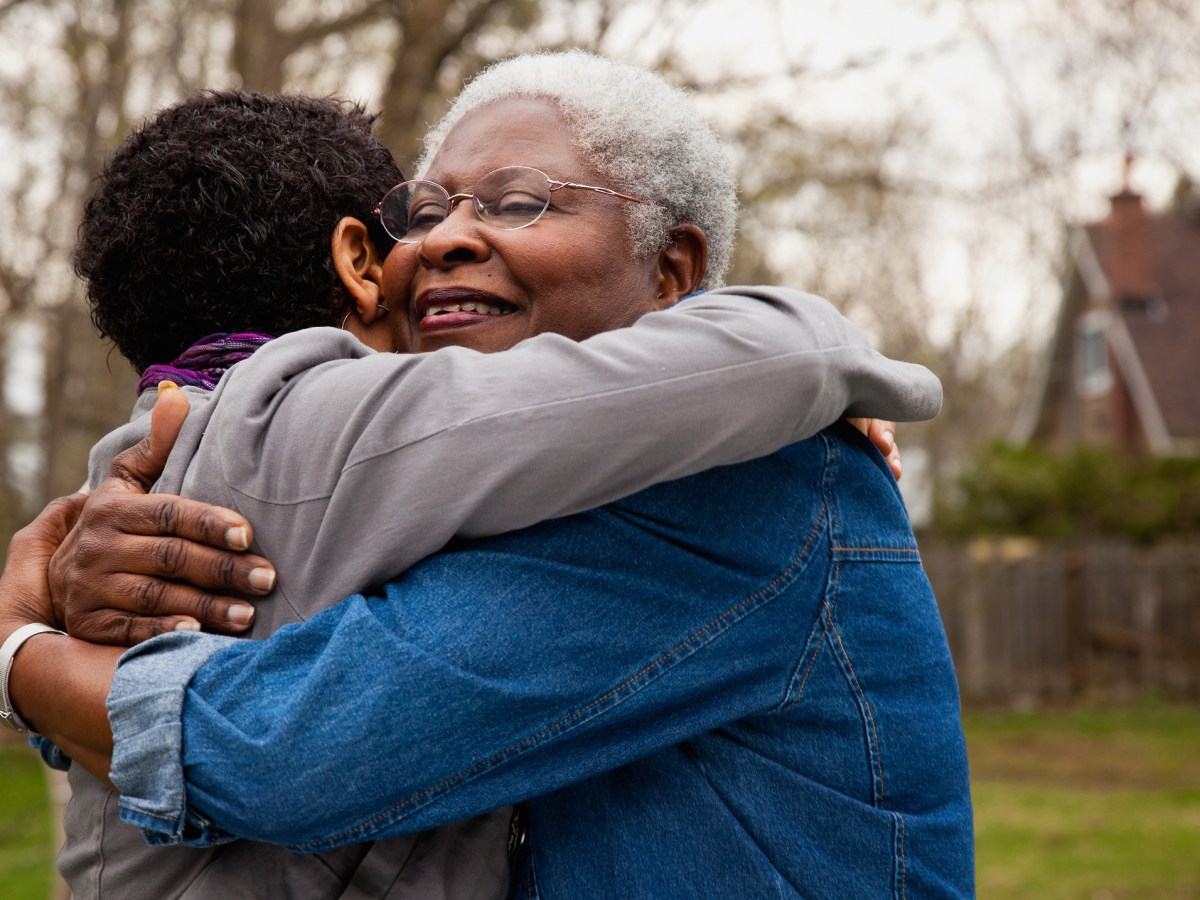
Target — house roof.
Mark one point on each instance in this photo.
(1152, 266)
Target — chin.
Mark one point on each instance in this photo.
(482, 340)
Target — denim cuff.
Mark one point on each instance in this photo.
(145, 708)
(50, 752)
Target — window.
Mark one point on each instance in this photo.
(1094, 375)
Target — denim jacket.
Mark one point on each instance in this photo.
(732, 684)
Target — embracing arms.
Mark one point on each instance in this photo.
(352, 469)
(800, 368)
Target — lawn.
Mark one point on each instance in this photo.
(1087, 804)
(1079, 805)
(26, 845)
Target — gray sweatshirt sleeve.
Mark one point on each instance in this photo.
(384, 458)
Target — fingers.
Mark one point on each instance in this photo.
(138, 574)
(177, 560)
(124, 514)
(142, 464)
(151, 606)
(128, 554)
(882, 434)
(122, 628)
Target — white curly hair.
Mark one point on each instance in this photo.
(642, 133)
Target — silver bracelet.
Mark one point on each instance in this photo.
(8, 652)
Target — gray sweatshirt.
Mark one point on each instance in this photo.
(352, 465)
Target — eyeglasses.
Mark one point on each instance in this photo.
(510, 198)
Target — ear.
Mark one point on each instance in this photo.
(360, 269)
(681, 265)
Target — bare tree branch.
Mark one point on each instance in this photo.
(373, 11)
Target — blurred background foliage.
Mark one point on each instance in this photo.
(1012, 490)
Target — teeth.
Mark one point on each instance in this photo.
(481, 308)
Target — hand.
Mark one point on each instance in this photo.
(24, 591)
(882, 434)
(136, 564)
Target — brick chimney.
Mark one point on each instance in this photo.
(1129, 263)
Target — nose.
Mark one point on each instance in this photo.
(459, 238)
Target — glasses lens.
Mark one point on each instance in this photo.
(512, 197)
(409, 211)
(428, 205)
(393, 211)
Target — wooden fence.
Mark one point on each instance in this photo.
(1033, 622)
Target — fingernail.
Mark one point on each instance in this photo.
(261, 578)
(889, 439)
(241, 613)
(238, 538)
(166, 386)
(187, 625)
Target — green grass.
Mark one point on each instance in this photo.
(26, 844)
(1088, 804)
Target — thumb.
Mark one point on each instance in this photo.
(166, 421)
(142, 464)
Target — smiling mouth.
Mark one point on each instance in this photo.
(487, 309)
(455, 308)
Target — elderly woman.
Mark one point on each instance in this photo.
(730, 684)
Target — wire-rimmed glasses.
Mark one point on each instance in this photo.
(512, 197)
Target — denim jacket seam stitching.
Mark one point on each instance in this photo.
(911, 550)
(744, 607)
(833, 456)
(824, 617)
(876, 750)
(829, 509)
(902, 855)
(812, 661)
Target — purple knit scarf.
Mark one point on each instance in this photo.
(202, 364)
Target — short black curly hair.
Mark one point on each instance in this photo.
(217, 214)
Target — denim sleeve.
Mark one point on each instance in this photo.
(145, 710)
(50, 752)
(498, 671)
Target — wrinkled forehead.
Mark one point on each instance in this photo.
(516, 131)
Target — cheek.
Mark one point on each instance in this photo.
(588, 306)
(398, 271)
(619, 289)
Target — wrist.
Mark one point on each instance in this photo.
(14, 641)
